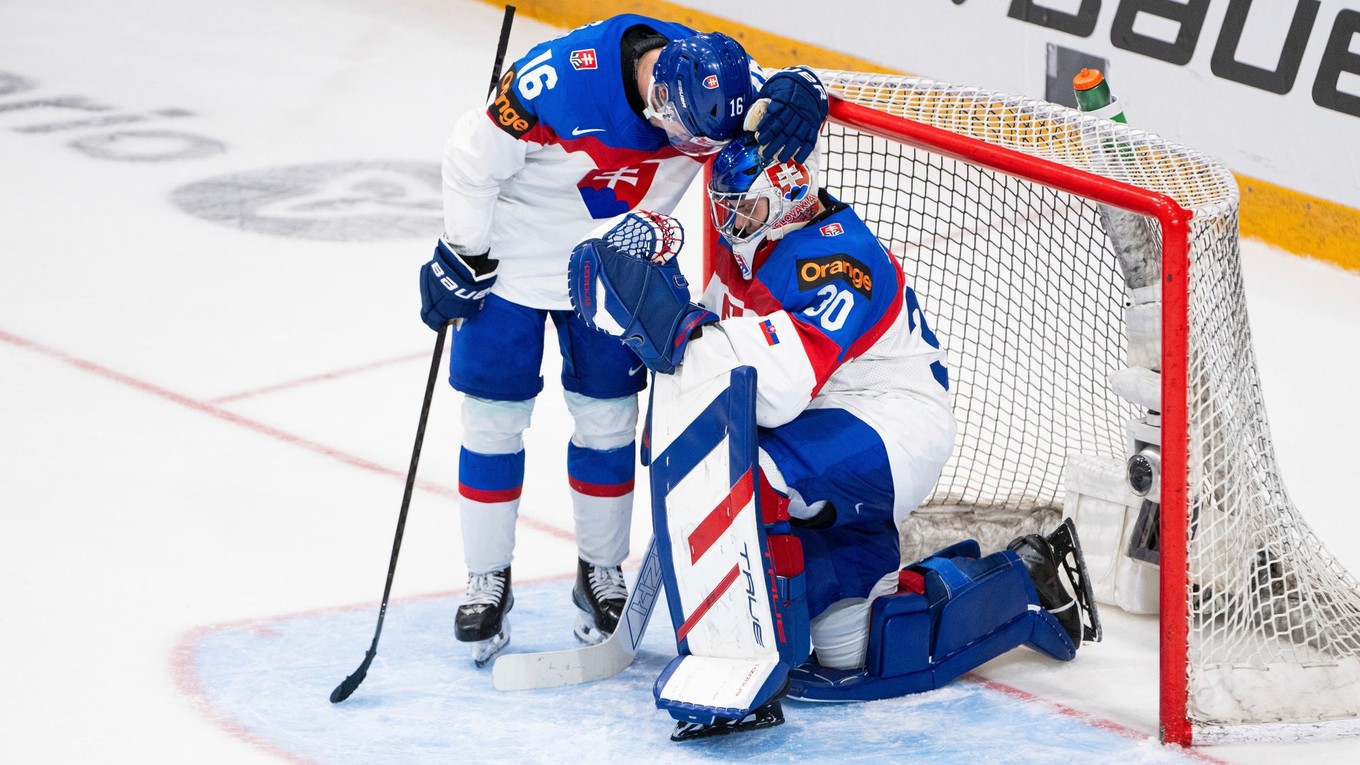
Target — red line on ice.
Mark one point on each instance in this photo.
(204, 407)
(1095, 722)
(333, 375)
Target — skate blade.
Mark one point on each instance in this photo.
(766, 717)
(483, 651)
(586, 631)
(1067, 549)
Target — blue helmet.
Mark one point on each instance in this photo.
(700, 90)
(752, 200)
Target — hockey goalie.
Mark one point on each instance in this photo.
(799, 412)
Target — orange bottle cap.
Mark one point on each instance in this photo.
(1087, 79)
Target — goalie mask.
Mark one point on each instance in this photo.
(751, 201)
(699, 91)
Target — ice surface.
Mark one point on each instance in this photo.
(207, 405)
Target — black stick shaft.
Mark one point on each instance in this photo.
(347, 686)
(501, 45)
(350, 683)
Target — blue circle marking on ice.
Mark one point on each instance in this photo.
(423, 701)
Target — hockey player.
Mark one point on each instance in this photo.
(855, 426)
(612, 116)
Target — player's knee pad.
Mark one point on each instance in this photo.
(603, 423)
(495, 427)
(956, 611)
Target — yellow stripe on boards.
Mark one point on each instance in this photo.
(1300, 224)
(769, 49)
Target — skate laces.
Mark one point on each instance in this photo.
(606, 583)
(485, 589)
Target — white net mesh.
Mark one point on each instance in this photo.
(1027, 288)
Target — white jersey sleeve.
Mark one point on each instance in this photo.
(785, 377)
(478, 158)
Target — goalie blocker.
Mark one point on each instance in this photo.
(733, 574)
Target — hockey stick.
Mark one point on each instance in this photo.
(551, 669)
(347, 686)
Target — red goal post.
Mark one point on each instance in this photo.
(1029, 230)
(1175, 222)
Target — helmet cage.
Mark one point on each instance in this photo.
(739, 216)
(741, 182)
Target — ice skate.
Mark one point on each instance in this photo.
(481, 619)
(767, 715)
(1058, 570)
(599, 595)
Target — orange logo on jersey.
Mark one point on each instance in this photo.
(815, 272)
(507, 110)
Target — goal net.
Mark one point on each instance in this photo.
(1033, 234)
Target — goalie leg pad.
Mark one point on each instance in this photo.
(731, 567)
(784, 570)
(706, 690)
(788, 590)
(958, 612)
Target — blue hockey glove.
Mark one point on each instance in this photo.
(454, 286)
(645, 304)
(789, 119)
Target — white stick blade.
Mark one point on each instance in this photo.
(553, 669)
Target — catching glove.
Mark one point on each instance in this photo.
(626, 294)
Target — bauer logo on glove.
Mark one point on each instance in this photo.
(453, 286)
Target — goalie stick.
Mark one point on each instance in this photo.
(351, 682)
(552, 669)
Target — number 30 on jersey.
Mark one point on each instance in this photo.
(834, 309)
